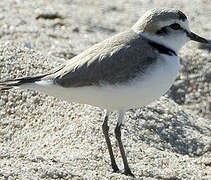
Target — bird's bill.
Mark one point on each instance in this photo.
(197, 38)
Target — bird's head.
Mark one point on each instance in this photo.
(166, 26)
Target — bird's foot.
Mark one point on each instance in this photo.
(128, 172)
(125, 172)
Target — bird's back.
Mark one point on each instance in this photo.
(114, 60)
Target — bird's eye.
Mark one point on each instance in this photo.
(175, 26)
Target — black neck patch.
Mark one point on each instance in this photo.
(162, 49)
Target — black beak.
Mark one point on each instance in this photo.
(197, 38)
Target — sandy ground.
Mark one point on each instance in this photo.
(44, 138)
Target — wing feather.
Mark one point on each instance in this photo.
(115, 60)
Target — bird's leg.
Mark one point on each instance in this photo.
(105, 128)
(127, 170)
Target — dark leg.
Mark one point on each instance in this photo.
(105, 128)
(127, 170)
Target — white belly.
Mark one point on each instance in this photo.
(138, 92)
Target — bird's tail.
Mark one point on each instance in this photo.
(8, 84)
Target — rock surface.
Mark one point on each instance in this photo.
(44, 138)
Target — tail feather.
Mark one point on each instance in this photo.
(8, 84)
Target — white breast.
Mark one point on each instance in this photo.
(138, 92)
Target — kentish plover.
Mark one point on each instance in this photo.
(128, 70)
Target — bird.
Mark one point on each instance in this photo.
(128, 70)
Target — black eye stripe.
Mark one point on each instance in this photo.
(162, 31)
(175, 26)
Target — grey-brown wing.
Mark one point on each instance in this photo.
(115, 60)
